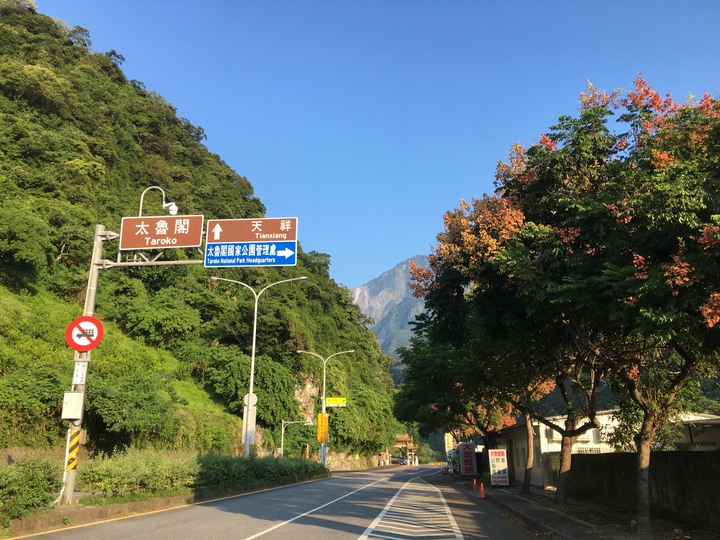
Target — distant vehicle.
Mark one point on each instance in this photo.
(403, 462)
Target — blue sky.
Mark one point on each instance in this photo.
(368, 120)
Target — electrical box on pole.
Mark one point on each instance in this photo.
(72, 406)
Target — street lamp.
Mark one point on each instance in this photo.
(284, 423)
(171, 207)
(251, 398)
(324, 361)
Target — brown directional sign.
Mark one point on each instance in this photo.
(161, 232)
(251, 230)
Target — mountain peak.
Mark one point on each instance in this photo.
(389, 301)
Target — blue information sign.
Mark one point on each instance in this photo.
(251, 254)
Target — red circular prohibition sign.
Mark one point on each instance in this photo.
(84, 333)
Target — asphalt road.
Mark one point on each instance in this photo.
(408, 502)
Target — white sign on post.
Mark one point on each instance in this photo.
(80, 372)
(72, 406)
(498, 467)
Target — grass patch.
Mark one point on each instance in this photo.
(196, 398)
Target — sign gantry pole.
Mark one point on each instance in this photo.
(256, 242)
(84, 333)
(82, 358)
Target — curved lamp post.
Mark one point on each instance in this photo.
(285, 423)
(251, 399)
(171, 207)
(324, 361)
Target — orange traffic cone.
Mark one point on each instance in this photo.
(482, 490)
(474, 486)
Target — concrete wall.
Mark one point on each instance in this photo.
(684, 486)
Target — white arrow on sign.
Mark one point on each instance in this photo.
(217, 229)
(287, 252)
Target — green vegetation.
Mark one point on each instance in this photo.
(78, 145)
(33, 482)
(27, 485)
(141, 474)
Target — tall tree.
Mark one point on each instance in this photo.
(606, 241)
(635, 214)
(516, 347)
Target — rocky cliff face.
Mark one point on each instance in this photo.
(389, 301)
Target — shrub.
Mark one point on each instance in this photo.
(225, 472)
(27, 485)
(133, 473)
(143, 473)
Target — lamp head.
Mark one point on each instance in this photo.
(171, 207)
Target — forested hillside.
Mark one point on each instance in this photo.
(79, 143)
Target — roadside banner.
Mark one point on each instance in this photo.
(498, 467)
(468, 464)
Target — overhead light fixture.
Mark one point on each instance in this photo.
(171, 207)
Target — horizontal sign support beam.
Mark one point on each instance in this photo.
(107, 264)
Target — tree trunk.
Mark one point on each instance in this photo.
(644, 445)
(529, 462)
(566, 448)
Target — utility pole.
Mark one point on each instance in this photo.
(82, 359)
(250, 410)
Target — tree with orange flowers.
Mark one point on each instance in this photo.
(596, 258)
(507, 354)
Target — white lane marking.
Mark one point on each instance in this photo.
(406, 519)
(314, 510)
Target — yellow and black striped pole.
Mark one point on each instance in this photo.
(73, 446)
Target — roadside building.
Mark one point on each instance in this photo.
(700, 432)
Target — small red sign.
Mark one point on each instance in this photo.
(84, 333)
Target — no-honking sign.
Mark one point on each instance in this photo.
(84, 333)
